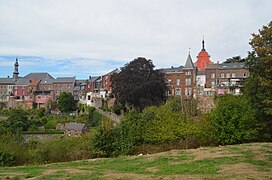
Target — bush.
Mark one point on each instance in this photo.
(50, 125)
(6, 158)
(233, 120)
(117, 108)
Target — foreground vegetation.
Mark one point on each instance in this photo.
(253, 161)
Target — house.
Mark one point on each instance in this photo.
(180, 80)
(106, 81)
(226, 78)
(75, 129)
(63, 84)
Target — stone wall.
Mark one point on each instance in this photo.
(205, 103)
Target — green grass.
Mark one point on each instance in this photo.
(202, 163)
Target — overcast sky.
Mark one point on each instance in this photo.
(91, 37)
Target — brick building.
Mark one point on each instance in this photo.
(180, 80)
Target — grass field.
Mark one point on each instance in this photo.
(245, 161)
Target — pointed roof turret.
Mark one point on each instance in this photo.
(189, 62)
(203, 45)
(16, 70)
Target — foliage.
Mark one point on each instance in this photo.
(259, 85)
(155, 125)
(167, 123)
(117, 108)
(66, 102)
(2, 105)
(96, 119)
(50, 125)
(17, 121)
(6, 158)
(129, 133)
(235, 59)
(104, 138)
(139, 85)
(233, 120)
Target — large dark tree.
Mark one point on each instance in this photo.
(66, 102)
(259, 85)
(139, 85)
(235, 59)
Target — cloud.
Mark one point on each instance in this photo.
(83, 33)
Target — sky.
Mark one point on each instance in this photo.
(85, 38)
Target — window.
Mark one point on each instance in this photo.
(213, 75)
(228, 75)
(212, 84)
(222, 75)
(233, 75)
(178, 82)
(169, 81)
(188, 82)
(188, 73)
(188, 91)
(178, 92)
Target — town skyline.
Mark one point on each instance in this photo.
(83, 38)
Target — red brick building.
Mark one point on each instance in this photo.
(180, 80)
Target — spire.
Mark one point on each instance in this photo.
(203, 44)
(16, 71)
(189, 62)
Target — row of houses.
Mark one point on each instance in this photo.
(202, 78)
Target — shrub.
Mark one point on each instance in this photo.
(6, 158)
(233, 120)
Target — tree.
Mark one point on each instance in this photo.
(66, 102)
(235, 59)
(259, 86)
(233, 120)
(139, 85)
(17, 121)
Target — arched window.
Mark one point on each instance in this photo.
(203, 64)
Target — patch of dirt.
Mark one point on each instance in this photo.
(240, 168)
(152, 169)
(71, 171)
(200, 154)
(113, 175)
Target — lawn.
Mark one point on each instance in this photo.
(245, 161)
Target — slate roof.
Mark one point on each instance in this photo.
(65, 80)
(38, 75)
(172, 69)
(22, 81)
(7, 81)
(189, 63)
(231, 66)
(93, 79)
(74, 126)
(112, 72)
(47, 81)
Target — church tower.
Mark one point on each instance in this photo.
(16, 71)
(203, 58)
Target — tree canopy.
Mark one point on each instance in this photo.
(139, 85)
(259, 85)
(235, 59)
(66, 102)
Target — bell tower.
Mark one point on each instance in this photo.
(16, 70)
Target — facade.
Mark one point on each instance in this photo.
(180, 80)
(63, 84)
(106, 81)
(226, 78)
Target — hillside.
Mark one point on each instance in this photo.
(243, 161)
